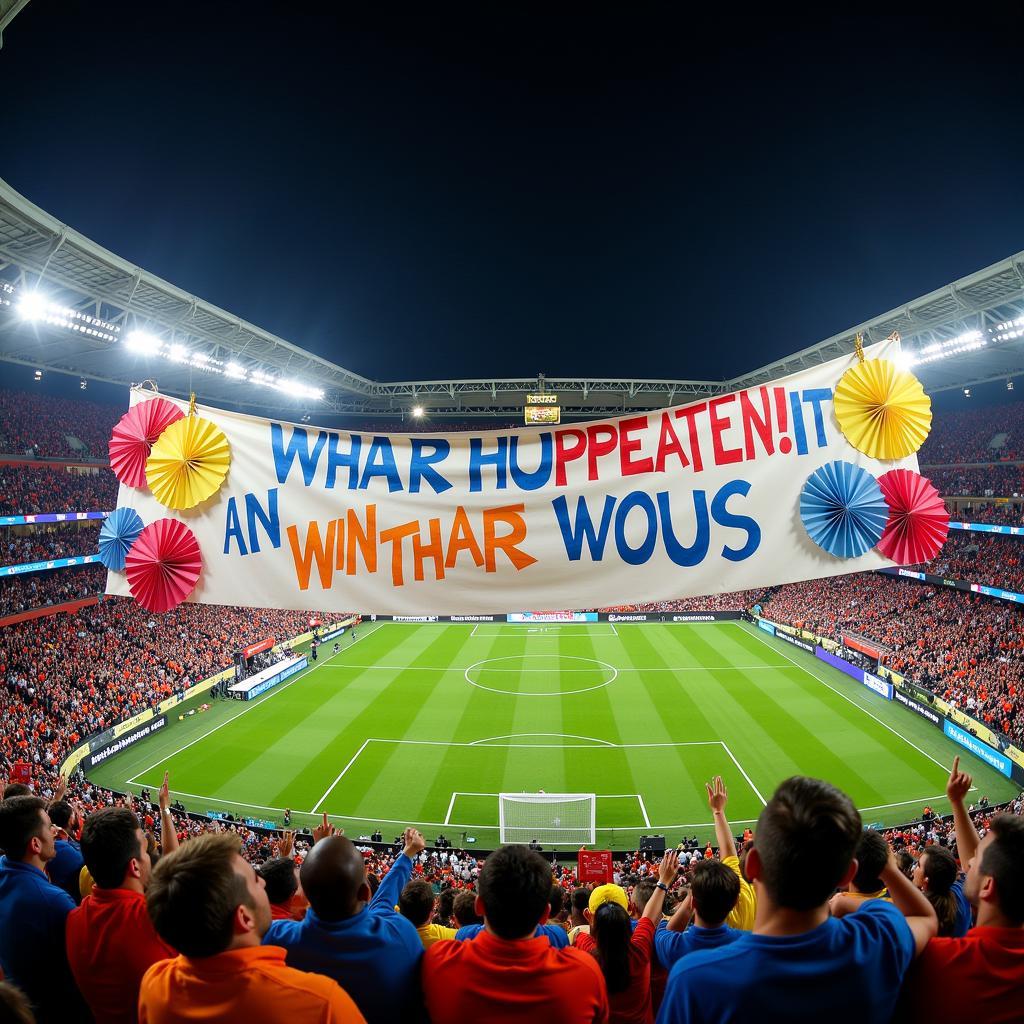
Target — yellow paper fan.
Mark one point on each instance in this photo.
(188, 463)
(882, 410)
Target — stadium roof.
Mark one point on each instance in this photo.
(71, 306)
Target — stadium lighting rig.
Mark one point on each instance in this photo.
(35, 307)
(968, 341)
(145, 343)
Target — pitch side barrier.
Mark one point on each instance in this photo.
(945, 581)
(554, 618)
(974, 736)
(100, 746)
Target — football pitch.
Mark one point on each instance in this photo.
(426, 724)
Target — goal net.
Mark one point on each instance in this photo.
(553, 819)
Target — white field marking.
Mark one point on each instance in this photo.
(518, 735)
(529, 693)
(448, 668)
(451, 807)
(750, 783)
(341, 774)
(615, 632)
(804, 668)
(250, 705)
(903, 803)
(602, 745)
(597, 796)
(643, 811)
(509, 631)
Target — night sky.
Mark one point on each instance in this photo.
(588, 196)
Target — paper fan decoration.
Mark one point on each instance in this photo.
(163, 565)
(842, 509)
(133, 437)
(188, 463)
(117, 534)
(882, 410)
(918, 519)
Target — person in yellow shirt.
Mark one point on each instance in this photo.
(416, 904)
(210, 904)
(742, 915)
(872, 855)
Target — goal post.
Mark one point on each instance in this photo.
(553, 819)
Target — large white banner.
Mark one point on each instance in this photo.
(692, 500)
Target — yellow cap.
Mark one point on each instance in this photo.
(608, 893)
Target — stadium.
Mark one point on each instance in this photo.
(241, 640)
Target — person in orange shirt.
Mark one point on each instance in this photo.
(208, 902)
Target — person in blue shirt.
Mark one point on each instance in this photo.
(67, 863)
(364, 944)
(558, 938)
(33, 913)
(713, 893)
(801, 965)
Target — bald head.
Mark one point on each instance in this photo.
(333, 877)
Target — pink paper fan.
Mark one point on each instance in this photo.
(918, 519)
(163, 565)
(133, 437)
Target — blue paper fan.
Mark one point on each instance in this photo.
(117, 535)
(843, 510)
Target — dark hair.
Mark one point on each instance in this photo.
(580, 899)
(416, 901)
(194, 893)
(280, 877)
(515, 888)
(61, 813)
(557, 900)
(872, 855)
(110, 841)
(373, 881)
(17, 789)
(906, 863)
(613, 933)
(20, 823)
(445, 903)
(464, 909)
(939, 867)
(716, 888)
(1002, 861)
(642, 892)
(805, 839)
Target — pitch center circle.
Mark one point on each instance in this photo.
(489, 673)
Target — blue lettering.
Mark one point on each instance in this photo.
(641, 554)
(798, 422)
(271, 523)
(697, 551)
(816, 396)
(349, 458)
(540, 476)
(381, 462)
(297, 445)
(477, 460)
(721, 515)
(233, 528)
(421, 465)
(573, 538)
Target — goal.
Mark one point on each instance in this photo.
(553, 819)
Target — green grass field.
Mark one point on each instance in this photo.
(426, 724)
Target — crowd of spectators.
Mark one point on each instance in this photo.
(29, 489)
(41, 589)
(1003, 480)
(989, 558)
(1006, 514)
(66, 676)
(36, 424)
(966, 435)
(122, 909)
(963, 647)
(36, 544)
(737, 600)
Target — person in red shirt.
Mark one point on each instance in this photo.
(111, 942)
(980, 976)
(505, 974)
(208, 902)
(624, 954)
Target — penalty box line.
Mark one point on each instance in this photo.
(597, 796)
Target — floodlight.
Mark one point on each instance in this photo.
(967, 392)
(1009, 385)
(417, 411)
(177, 353)
(143, 342)
(38, 375)
(83, 384)
(32, 306)
(235, 371)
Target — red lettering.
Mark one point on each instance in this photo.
(723, 456)
(752, 421)
(601, 438)
(668, 444)
(689, 413)
(565, 453)
(628, 445)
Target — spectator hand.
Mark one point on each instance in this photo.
(324, 829)
(164, 793)
(286, 846)
(959, 783)
(669, 868)
(414, 842)
(718, 795)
